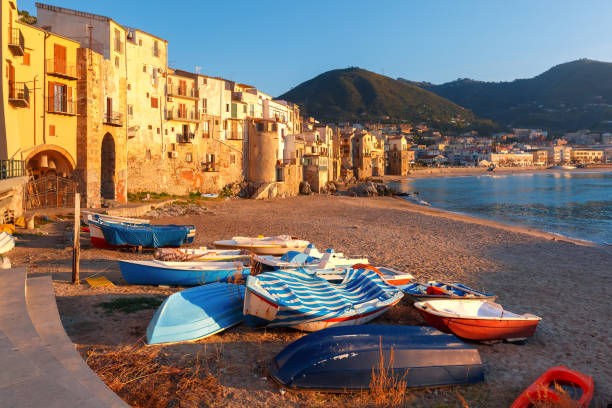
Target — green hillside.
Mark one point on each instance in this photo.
(354, 94)
(570, 96)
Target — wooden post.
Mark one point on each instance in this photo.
(76, 246)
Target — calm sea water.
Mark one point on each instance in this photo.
(577, 205)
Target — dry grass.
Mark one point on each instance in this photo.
(147, 377)
(386, 388)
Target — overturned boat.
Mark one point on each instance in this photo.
(419, 292)
(308, 302)
(196, 313)
(347, 358)
(140, 235)
(277, 245)
(181, 273)
(478, 319)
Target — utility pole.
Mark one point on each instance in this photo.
(76, 246)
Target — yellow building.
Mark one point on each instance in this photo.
(39, 79)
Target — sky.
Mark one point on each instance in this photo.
(275, 46)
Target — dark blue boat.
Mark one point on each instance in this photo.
(143, 235)
(344, 358)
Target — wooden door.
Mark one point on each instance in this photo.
(59, 60)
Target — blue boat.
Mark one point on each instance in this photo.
(144, 235)
(196, 313)
(305, 301)
(181, 273)
(421, 292)
(346, 358)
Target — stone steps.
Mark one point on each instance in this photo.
(38, 369)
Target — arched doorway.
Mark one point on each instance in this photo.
(107, 168)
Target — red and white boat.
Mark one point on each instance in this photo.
(477, 320)
(389, 275)
(557, 386)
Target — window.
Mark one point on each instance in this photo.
(129, 87)
(154, 103)
(26, 59)
(60, 98)
(232, 158)
(144, 68)
(166, 132)
(204, 105)
(51, 130)
(182, 113)
(140, 42)
(131, 110)
(117, 62)
(59, 58)
(205, 128)
(117, 41)
(148, 155)
(150, 127)
(156, 49)
(244, 107)
(158, 131)
(188, 157)
(227, 107)
(204, 81)
(225, 125)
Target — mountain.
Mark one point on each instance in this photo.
(570, 96)
(354, 94)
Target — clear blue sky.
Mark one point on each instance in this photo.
(277, 45)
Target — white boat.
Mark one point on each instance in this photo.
(294, 259)
(7, 242)
(88, 215)
(277, 245)
(200, 254)
(389, 275)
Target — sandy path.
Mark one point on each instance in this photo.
(566, 284)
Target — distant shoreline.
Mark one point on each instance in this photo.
(479, 171)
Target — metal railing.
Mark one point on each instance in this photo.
(16, 41)
(12, 168)
(50, 191)
(185, 137)
(65, 106)
(176, 90)
(177, 114)
(62, 69)
(113, 118)
(19, 93)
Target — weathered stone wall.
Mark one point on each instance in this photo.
(11, 196)
(263, 146)
(98, 79)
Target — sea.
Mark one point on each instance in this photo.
(573, 204)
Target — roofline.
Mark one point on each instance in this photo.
(73, 12)
(48, 32)
(145, 32)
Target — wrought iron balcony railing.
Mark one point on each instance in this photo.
(113, 118)
(181, 91)
(16, 41)
(19, 94)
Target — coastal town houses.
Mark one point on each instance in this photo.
(398, 155)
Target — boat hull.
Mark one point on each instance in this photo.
(338, 359)
(261, 311)
(308, 302)
(147, 273)
(142, 235)
(259, 250)
(479, 328)
(196, 313)
(417, 292)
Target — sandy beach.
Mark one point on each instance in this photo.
(565, 282)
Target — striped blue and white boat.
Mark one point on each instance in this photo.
(308, 302)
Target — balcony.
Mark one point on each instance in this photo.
(113, 118)
(185, 137)
(61, 69)
(12, 168)
(183, 116)
(19, 94)
(182, 92)
(15, 41)
(61, 106)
